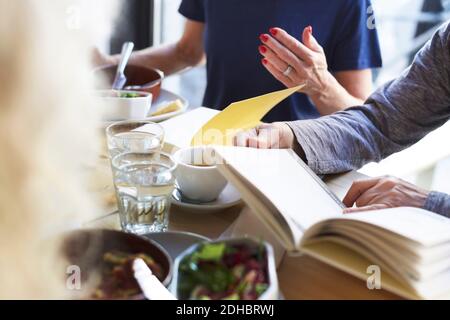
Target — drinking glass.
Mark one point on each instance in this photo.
(134, 136)
(144, 183)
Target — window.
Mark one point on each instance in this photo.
(191, 84)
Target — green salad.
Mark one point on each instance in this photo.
(129, 95)
(224, 272)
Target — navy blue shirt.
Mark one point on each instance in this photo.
(232, 30)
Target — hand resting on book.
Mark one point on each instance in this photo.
(370, 194)
(383, 193)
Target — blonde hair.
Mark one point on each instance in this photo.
(48, 131)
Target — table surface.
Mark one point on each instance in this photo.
(299, 277)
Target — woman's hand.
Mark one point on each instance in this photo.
(294, 63)
(383, 193)
(306, 61)
(267, 136)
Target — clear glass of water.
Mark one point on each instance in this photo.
(144, 183)
(134, 136)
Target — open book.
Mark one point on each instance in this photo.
(410, 246)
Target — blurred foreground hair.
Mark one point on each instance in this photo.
(47, 135)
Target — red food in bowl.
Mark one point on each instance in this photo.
(139, 76)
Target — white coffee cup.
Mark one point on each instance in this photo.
(197, 174)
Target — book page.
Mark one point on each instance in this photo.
(287, 232)
(289, 186)
(339, 184)
(419, 226)
(349, 261)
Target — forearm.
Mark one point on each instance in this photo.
(439, 203)
(334, 97)
(396, 116)
(352, 138)
(168, 58)
(341, 142)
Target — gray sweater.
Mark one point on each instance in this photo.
(395, 117)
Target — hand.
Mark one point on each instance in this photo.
(383, 193)
(307, 60)
(267, 136)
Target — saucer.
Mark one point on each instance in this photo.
(229, 197)
(164, 98)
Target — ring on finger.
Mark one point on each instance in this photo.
(288, 71)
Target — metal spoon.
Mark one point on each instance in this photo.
(121, 79)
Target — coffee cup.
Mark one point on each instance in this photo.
(197, 175)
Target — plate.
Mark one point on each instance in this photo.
(164, 98)
(176, 242)
(229, 197)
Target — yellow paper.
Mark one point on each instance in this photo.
(242, 115)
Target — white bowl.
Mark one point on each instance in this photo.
(116, 107)
(202, 184)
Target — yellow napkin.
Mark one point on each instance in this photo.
(242, 115)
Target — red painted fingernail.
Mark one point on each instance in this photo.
(273, 31)
(264, 37)
(264, 61)
(262, 49)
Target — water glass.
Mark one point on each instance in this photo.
(144, 184)
(134, 136)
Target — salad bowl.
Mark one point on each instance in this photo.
(233, 269)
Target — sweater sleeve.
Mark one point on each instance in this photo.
(395, 117)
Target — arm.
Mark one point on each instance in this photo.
(358, 83)
(390, 192)
(345, 89)
(395, 117)
(370, 194)
(438, 202)
(172, 58)
(328, 93)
